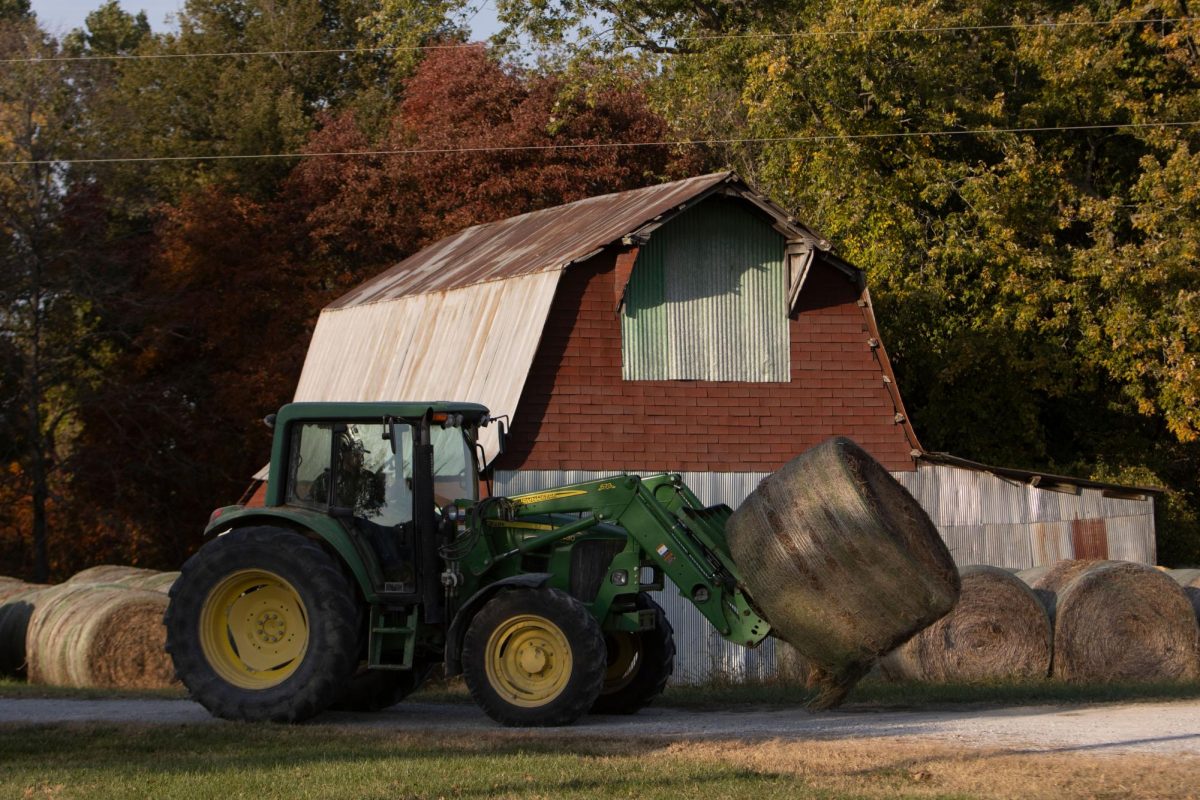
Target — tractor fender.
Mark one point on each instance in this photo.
(309, 523)
(458, 628)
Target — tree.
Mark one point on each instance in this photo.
(45, 323)
(1037, 290)
(498, 141)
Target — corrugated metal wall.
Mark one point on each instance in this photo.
(988, 519)
(707, 300)
(984, 519)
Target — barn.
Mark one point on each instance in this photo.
(696, 327)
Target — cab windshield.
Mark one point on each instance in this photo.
(359, 470)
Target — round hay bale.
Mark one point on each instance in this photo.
(998, 630)
(15, 610)
(14, 588)
(1119, 621)
(158, 582)
(842, 561)
(1044, 580)
(1189, 581)
(87, 635)
(110, 573)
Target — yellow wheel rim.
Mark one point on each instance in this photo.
(528, 660)
(254, 629)
(623, 661)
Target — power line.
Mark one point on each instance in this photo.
(1047, 25)
(942, 29)
(607, 145)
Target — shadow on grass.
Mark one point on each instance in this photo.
(202, 762)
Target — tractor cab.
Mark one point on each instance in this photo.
(386, 472)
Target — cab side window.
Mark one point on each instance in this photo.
(308, 472)
(353, 467)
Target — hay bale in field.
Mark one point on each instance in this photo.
(13, 588)
(843, 562)
(15, 610)
(1032, 578)
(111, 573)
(1119, 621)
(998, 630)
(1189, 581)
(157, 582)
(88, 635)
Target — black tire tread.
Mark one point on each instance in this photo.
(656, 667)
(332, 653)
(588, 657)
(377, 689)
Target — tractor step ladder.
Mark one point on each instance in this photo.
(391, 632)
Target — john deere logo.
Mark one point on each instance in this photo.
(542, 497)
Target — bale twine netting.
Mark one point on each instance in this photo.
(87, 635)
(15, 610)
(842, 561)
(112, 573)
(997, 631)
(1118, 621)
(1189, 581)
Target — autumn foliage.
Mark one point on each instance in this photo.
(1037, 283)
(219, 318)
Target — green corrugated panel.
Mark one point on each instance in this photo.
(707, 299)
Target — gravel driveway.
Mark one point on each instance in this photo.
(1172, 727)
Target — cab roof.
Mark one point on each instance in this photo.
(409, 409)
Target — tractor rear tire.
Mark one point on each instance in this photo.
(639, 664)
(534, 657)
(263, 625)
(377, 689)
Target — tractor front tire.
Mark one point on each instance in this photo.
(263, 625)
(639, 664)
(534, 657)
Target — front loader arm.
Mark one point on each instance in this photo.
(669, 528)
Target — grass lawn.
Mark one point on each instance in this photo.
(259, 761)
(229, 760)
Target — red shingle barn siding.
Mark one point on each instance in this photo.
(576, 412)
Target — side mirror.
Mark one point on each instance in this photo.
(501, 437)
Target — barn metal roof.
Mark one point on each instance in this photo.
(551, 239)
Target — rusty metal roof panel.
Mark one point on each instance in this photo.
(546, 240)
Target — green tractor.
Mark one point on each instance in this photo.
(374, 559)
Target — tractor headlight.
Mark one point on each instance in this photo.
(619, 577)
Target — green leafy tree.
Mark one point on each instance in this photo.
(1037, 290)
(46, 321)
